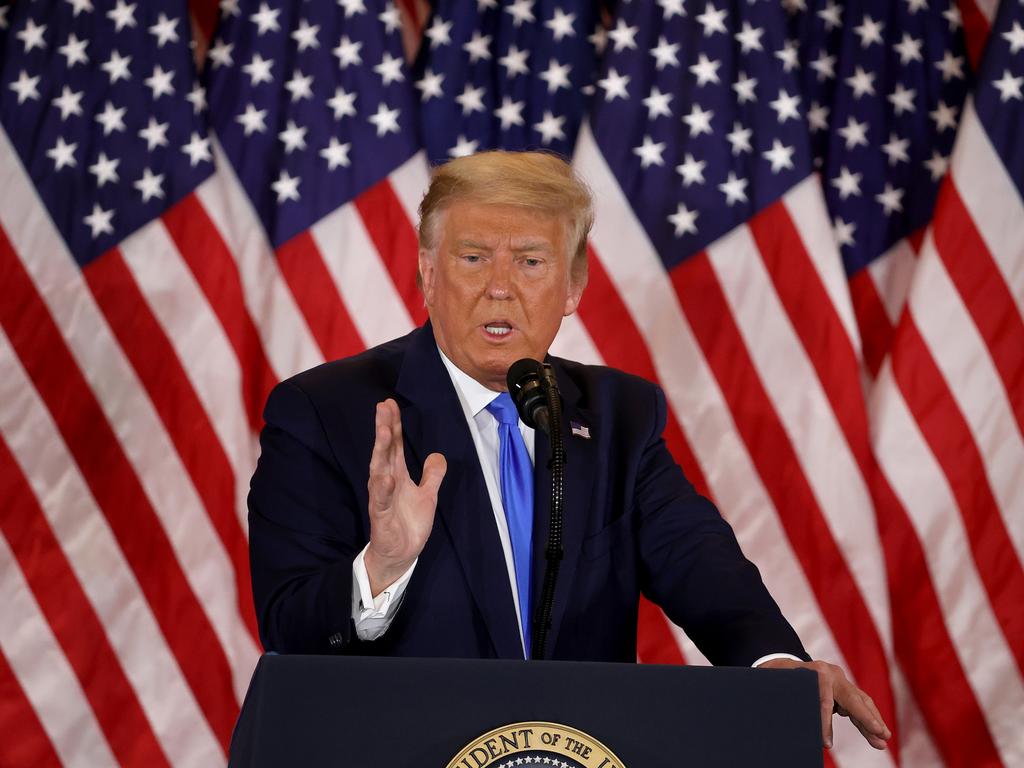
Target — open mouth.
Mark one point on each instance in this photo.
(498, 329)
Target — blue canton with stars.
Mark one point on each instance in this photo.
(100, 102)
(999, 98)
(885, 83)
(312, 103)
(699, 118)
(509, 74)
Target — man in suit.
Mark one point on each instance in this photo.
(351, 553)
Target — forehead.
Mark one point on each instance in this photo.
(492, 224)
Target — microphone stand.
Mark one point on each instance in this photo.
(554, 552)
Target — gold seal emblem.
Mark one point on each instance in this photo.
(533, 745)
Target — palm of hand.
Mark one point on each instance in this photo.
(401, 512)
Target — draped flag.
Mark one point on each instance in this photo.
(808, 233)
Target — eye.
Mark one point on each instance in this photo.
(471, 258)
(530, 261)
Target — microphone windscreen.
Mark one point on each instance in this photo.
(520, 371)
(524, 386)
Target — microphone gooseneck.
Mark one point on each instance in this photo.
(534, 390)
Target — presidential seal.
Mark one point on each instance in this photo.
(535, 744)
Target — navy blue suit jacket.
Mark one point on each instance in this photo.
(633, 524)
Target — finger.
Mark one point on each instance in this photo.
(381, 441)
(380, 484)
(396, 453)
(381, 491)
(434, 469)
(860, 708)
(872, 738)
(827, 701)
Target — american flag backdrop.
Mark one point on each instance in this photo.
(809, 233)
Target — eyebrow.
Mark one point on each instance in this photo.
(529, 245)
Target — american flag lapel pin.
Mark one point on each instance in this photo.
(580, 430)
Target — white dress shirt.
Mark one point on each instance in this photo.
(373, 615)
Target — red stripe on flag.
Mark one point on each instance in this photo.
(318, 299)
(921, 639)
(944, 428)
(204, 12)
(922, 644)
(203, 249)
(620, 343)
(976, 31)
(48, 361)
(981, 286)
(655, 643)
(152, 356)
(916, 239)
(827, 344)
(412, 12)
(777, 464)
(395, 240)
(32, 746)
(876, 329)
(74, 622)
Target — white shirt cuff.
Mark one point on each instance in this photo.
(373, 615)
(773, 656)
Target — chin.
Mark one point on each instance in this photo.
(496, 368)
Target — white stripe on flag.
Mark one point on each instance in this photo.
(198, 340)
(892, 273)
(44, 673)
(99, 566)
(573, 342)
(124, 401)
(287, 340)
(966, 365)
(992, 199)
(805, 205)
(640, 279)
(916, 745)
(409, 182)
(214, 375)
(363, 282)
(806, 415)
(922, 488)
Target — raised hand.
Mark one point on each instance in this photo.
(401, 512)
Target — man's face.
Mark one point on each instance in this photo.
(497, 287)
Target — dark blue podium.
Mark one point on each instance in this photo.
(355, 712)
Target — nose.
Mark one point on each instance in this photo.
(499, 277)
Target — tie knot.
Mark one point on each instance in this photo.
(503, 409)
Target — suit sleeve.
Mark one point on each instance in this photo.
(305, 529)
(694, 569)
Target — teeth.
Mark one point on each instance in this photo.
(497, 330)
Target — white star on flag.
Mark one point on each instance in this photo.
(385, 119)
(62, 154)
(286, 187)
(150, 185)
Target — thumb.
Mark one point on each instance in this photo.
(434, 469)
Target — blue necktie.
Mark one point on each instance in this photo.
(517, 498)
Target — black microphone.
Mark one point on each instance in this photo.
(534, 390)
(525, 384)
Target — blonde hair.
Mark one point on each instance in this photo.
(538, 181)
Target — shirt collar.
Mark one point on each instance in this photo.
(474, 394)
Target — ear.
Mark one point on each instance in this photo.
(427, 275)
(572, 298)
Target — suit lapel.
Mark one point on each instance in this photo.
(433, 422)
(581, 461)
